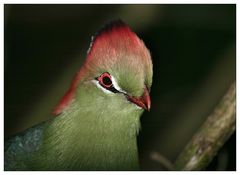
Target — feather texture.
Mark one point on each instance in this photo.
(18, 149)
(94, 130)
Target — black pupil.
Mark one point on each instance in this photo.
(107, 81)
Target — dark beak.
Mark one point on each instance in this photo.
(144, 101)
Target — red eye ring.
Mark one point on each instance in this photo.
(105, 80)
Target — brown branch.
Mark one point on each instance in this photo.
(211, 136)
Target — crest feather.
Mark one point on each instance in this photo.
(108, 27)
(113, 39)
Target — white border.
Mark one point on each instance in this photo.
(120, 2)
(112, 2)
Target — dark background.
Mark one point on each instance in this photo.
(193, 52)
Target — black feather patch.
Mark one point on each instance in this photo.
(107, 28)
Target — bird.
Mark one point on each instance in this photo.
(95, 124)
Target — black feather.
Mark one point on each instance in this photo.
(107, 27)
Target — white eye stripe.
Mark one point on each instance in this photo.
(102, 88)
(115, 85)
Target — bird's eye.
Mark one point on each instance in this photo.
(105, 80)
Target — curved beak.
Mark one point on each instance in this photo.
(144, 101)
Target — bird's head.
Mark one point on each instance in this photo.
(117, 73)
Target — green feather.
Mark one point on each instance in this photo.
(97, 135)
(97, 130)
(88, 135)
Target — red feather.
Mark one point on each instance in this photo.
(107, 41)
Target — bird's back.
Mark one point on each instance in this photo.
(19, 148)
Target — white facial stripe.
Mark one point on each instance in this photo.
(102, 88)
(115, 85)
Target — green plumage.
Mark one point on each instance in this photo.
(93, 136)
(96, 130)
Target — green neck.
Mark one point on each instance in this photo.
(90, 137)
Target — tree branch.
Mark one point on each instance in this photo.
(211, 136)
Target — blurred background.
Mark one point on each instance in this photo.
(193, 52)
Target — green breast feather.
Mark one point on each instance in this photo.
(97, 121)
